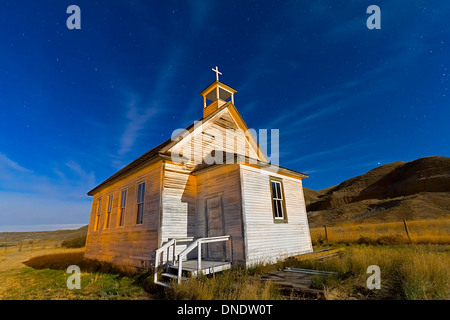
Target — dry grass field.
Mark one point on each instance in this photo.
(408, 272)
(435, 231)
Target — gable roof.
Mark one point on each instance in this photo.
(153, 153)
(238, 120)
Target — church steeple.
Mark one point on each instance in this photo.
(216, 95)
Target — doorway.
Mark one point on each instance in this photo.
(214, 223)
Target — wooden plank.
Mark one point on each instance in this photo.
(294, 284)
(318, 254)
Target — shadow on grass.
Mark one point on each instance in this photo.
(62, 261)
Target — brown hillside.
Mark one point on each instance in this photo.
(413, 190)
(57, 235)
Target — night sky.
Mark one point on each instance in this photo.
(77, 105)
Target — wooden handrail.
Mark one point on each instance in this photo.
(171, 242)
(197, 243)
(158, 252)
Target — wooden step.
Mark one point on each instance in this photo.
(186, 272)
(190, 267)
(163, 284)
(172, 276)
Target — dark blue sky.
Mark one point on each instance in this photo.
(77, 105)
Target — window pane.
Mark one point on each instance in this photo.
(99, 207)
(274, 190)
(141, 192)
(122, 211)
(275, 208)
(140, 214)
(110, 203)
(124, 199)
(280, 209)
(279, 194)
(107, 220)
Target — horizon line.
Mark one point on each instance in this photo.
(41, 227)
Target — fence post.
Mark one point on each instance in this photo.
(407, 231)
(326, 233)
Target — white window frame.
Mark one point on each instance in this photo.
(277, 197)
(109, 210)
(140, 203)
(123, 203)
(98, 214)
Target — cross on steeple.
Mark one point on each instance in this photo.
(217, 73)
(216, 95)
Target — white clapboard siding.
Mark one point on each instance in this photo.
(178, 203)
(266, 240)
(118, 243)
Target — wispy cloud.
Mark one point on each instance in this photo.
(87, 178)
(18, 208)
(136, 122)
(8, 164)
(325, 153)
(27, 197)
(141, 108)
(199, 14)
(299, 109)
(354, 166)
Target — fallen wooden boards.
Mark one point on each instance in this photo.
(309, 271)
(296, 281)
(294, 284)
(320, 254)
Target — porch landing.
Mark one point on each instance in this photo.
(207, 266)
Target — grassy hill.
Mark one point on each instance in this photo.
(57, 235)
(418, 189)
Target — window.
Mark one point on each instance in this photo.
(123, 201)
(97, 217)
(140, 203)
(278, 204)
(108, 212)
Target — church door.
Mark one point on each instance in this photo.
(214, 218)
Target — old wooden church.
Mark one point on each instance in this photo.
(175, 205)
